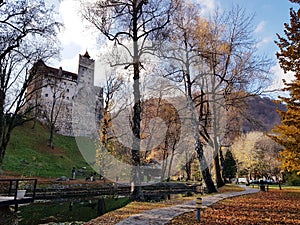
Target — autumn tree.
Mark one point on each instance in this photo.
(234, 67)
(288, 132)
(113, 84)
(180, 55)
(138, 23)
(212, 59)
(256, 156)
(27, 34)
(165, 151)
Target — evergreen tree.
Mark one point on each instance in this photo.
(230, 167)
(288, 132)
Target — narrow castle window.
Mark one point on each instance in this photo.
(46, 95)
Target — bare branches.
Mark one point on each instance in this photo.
(27, 34)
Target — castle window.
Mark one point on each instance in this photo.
(68, 98)
(68, 90)
(46, 95)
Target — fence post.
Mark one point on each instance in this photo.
(198, 206)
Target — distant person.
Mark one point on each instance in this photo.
(73, 173)
(92, 177)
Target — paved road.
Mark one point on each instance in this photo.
(164, 215)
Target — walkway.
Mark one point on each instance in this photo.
(164, 215)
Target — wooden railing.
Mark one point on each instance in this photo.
(9, 191)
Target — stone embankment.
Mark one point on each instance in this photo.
(153, 191)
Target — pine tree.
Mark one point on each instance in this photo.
(230, 167)
(288, 132)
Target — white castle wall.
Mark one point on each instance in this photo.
(77, 100)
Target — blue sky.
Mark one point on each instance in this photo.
(269, 16)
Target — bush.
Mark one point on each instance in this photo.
(293, 179)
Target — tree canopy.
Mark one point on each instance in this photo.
(288, 132)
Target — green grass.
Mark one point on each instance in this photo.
(28, 153)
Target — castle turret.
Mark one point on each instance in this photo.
(87, 107)
(86, 70)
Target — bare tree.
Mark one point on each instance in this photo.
(212, 59)
(58, 91)
(228, 48)
(112, 85)
(139, 23)
(181, 54)
(27, 34)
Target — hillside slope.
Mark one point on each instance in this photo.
(261, 114)
(29, 155)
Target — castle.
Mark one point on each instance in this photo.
(70, 102)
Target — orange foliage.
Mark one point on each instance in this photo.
(263, 208)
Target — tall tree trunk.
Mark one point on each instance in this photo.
(188, 170)
(170, 164)
(164, 165)
(204, 168)
(52, 121)
(2, 125)
(51, 143)
(136, 193)
(219, 179)
(135, 151)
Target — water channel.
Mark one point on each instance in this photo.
(68, 210)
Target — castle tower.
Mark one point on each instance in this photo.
(86, 107)
(86, 71)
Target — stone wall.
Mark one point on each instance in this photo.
(77, 102)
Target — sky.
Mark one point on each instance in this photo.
(269, 17)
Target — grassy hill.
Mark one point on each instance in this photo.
(29, 155)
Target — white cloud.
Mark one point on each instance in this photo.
(207, 6)
(265, 41)
(76, 38)
(278, 75)
(260, 27)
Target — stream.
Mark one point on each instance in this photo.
(68, 210)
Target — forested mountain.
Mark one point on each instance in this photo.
(261, 114)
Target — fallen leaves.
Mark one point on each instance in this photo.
(138, 207)
(131, 209)
(263, 208)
